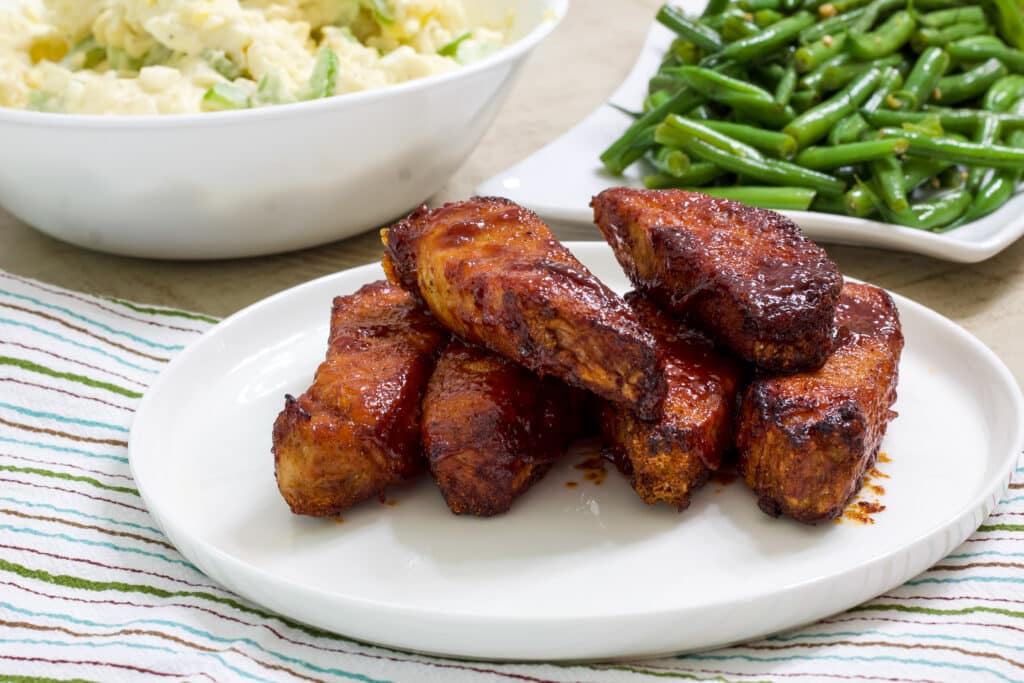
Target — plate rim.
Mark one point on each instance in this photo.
(969, 516)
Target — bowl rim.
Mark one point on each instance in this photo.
(553, 16)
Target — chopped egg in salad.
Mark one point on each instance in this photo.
(186, 56)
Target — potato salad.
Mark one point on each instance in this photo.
(187, 56)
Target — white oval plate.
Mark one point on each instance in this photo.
(558, 181)
(570, 573)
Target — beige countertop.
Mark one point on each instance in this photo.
(598, 42)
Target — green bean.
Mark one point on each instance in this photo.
(737, 27)
(683, 51)
(812, 55)
(932, 214)
(755, 5)
(849, 129)
(1010, 20)
(992, 194)
(970, 84)
(828, 204)
(664, 83)
(675, 130)
(700, 113)
(953, 177)
(802, 100)
(824, 158)
(770, 40)
(671, 161)
(641, 144)
(930, 125)
(958, 151)
(998, 187)
(924, 78)
(985, 47)
(715, 7)
(888, 181)
(700, 34)
(887, 39)
(656, 98)
(815, 123)
(772, 141)
(621, 153)
(699, 173)
(745, 98)
(976, 177)
(949, 17)
(769, 73)
(941, 37)
(1004, 93)
(891, 80)
(959, 120)
(918, 171)
(631, 114)
(767, 17)
(875, 10)
(715, 21)
(814, 79)
(861, 200)
(1011, 121)
(770, 197)
(717, 86)
(756, 110)
(764, 170)
(784, 88)
(832, 26)
(831, 7)
(932, 5)
(835, 77)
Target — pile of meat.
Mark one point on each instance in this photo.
(491, 349)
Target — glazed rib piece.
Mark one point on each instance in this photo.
(492, 273)
(356, 430)
(806, 440)
(748, 276)
(670, 457)
(491, 428)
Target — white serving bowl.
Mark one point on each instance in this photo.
(260, 181)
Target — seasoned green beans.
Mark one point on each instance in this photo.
(772, 39)
(958, 151)
(920, 84)
(969, 84)
(907, 111)
(889, 37)
(977, 48)
(837, 156)
(815, 123)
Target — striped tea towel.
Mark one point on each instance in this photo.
(90, 589)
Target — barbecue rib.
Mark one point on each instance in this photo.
(748, 276)
(491, 428)
(806, 440)
(356, 430)
(669, 458)
(493, 273)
